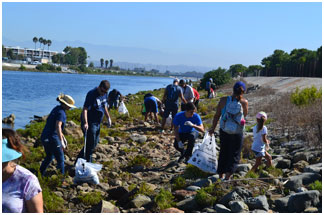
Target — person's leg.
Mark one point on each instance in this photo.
(176, 146)
(269, 159)
(191, 143)
(156, 118)
(165, 115)
(235, 144)
(257, 164)
(92, 138)
(115, 105)
(48, 159)
(146, 114)
(59, 155)
(197, 104)
(223, 153)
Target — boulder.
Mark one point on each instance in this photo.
(259, 202)
(193, 188)
(314, 168)
(305, 156)
(72, 129)
(117, 192)
(139, 201)
(203, 182)
(138, 138)
(221, 209)
(231, 196)
(300, 201)
(300, 165)
(107, 207)
(183, 194)
(188, 205)
(238, 207)
(297, 181)
(172, 210)
(243, 167)
(283, 164)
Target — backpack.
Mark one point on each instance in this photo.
(172, 95)
(231, 119)
(207, 85)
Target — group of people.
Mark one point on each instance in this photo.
(210, 88)
(21, 189)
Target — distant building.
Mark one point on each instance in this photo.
(142, 70)
(43, 56)
(155, 71)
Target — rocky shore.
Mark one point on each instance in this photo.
(141, 174)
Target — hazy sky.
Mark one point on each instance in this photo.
(209, 34)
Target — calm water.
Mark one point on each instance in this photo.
(26, 94)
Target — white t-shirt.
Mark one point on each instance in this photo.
(258, 144)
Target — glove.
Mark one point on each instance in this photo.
(109, 122)
(180, 145)
(243, 122)
(188, 123)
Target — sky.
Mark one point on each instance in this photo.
(210, 34)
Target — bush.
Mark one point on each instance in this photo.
(317, 185)
(139, 160)
(193, 172)
(208, 196)
(219, 76)
(179, 183)
(164, 199)
(52, 202)
(33, 129)
(22, 67)
(91, 198)
(306, 96)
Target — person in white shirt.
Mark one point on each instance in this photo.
(260, 144)
(188, 93)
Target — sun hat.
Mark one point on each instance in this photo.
(261, 114)
(8, 154)
(238, 85)
(66, 99)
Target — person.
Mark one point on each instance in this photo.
(186, 126)
(21, 191)
(188, 93)
(197, 97)
(208, 87)
(230, 142)
(260, 144)
(113, 97)
(151, 106)
(172, 93)
(94, 109)
(52, 136)
(190, 83)
(213, 88)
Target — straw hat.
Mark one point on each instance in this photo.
(66, 99)
(8, 154)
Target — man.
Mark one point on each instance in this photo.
(94, 109)
(208, 86)
(188, 93)
(151, 106)
(197, 96)
(170, 99)
(113, 98)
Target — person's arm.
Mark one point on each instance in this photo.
(107, 112)
(59, 132)
(35, 205)
(85, 118)
(199, 127)
(192, 95)
(245, 105)
(176, 133)
(218, 114)
(182, 97)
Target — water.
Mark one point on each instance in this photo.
(26, 94)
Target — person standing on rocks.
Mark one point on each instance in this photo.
(196, 99)
(186, 126)
(188, 93)
(113, 97)
(52, 136)
(260, 144)
(231, 111)
(21, 191)
(208, 87)
(170, 98)
(94, 109)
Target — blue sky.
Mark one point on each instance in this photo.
(212, 34)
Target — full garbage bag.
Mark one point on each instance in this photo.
(168, 121)
(86, 172)
(122, 108)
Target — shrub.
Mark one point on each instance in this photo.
(305, 96)
(52, 202)
(194, 172)
(91, 198)
(317, 185)
(251, 174)
(74, 115)
(33, 129)
(219, 76)
(208, 196)
(139, 160)
(164, 199)
(144, 189)
(22, 67)
(179, 183)
(274, 171)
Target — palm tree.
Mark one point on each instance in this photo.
(35, 40)
(106, 63)
(45, 43)
(111, 62)
(101, 62)
(40, 40)
(49, 43)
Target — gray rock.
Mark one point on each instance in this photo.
(221, 209)
(138, 138)
(193, 188)
(10, 119)
(305, 156)
(297, 181)
(300, 201)
(283, 164)
(188, 205)
(244, 193)
(315, 168)
(259, 202)
(300, 165)
(117, 192)
(213, 178)
(301, 189)
(203, 182)
(139, 201)
(231, 196)
(282, 204)
(238, 207)
(243, 167)
(209, 210)
(107, 207)
(259, 211)
(103, 186)
(311, 210)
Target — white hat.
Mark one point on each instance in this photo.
(67, 100)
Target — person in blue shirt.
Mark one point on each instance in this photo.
(171, 96)
(52, 136)
(94, 109)
(113, 97)
(186, 126)
(151, 106)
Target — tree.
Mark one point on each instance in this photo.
(253, 70)
(75, 56)
(49, 43)
(4, 53)
(10, 54)
(101, 62)
(237, 69)
(40, 40)
(106, 63)
(111, 62)
(220, 76)
(35, 40)
(91, 65)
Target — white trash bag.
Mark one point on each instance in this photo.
(205, 155)
(86, 172)
(168, 121)
(122, 108)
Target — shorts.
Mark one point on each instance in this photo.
(151, 106)
(258, 154)
(170, 108)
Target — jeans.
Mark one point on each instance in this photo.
(113, 104)
(53, 148)
(92, 141)
(191, 138)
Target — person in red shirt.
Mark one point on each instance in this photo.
(197, 96)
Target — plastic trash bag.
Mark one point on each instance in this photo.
(86, 172)
(122, 108)
(168, 121)
(205, 155)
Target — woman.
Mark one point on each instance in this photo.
(21, 191)
(231, 140)
(186, 123)
(52, 136)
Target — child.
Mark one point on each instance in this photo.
(260, 142)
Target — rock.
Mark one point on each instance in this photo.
(231, 196)
(259, 202)
(238, 207)
(138, 138)
(301, 189)
(193, 188)
(140, 200)
(311, 210)
(172, 210)
(10, 119)
(107, 207)
(73, 130)
(305, 156)
(208, 210)
(244, 193)
(259, 211)
(243, 167)
(283, 164)
(203, 182)
(110, 139)
(300, 201)
(300, 165)
(183, 194)
(221, 209)
(315, 168)
(103, 186)
(297, 181)
(188, 205)
(214, 178)
(117, 192)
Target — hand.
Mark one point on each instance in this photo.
(211, 132)
(180, 145)
(189, 123)
(109, 122)
(86, 126)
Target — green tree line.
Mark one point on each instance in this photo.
(72, 56)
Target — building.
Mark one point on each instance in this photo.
(139, 70)
(43, 56)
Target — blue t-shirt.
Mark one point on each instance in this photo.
(95, 103)
(57, 114)
(152, 98)
(180, 118)
(173, 92)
